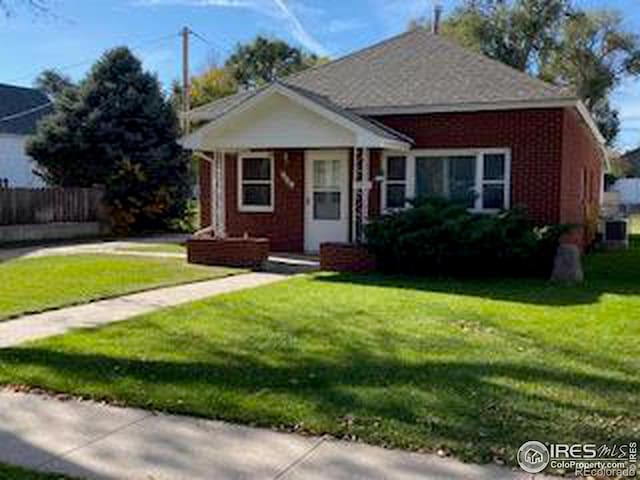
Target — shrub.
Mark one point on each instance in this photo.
(441, 237)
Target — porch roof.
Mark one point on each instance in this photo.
(284, 116)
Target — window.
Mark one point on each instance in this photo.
(479, 179)
(255, 173)
(494, 183)
(396, 183)
(327, 175)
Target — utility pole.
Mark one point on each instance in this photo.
(437, 15)
(186, 96)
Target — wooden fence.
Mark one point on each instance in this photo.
(21, 206)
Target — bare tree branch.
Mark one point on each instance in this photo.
(8, 7)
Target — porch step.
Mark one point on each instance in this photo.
(291, 264)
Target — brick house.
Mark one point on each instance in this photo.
(310, 158)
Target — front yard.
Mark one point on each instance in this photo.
(157, 248)
(14, 473)
(472, 367)
(36, 284)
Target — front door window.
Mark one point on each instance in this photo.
(326, 189)
(326, 198)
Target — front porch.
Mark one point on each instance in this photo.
(297, 199)
(288, 167)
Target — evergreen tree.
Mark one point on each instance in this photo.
(53, 83)
(116, 129)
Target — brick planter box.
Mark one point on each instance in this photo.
(228, 252)
(346, 257)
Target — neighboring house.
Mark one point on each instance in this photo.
(631, 161)
(421, 116)
(628, 190)
(20, 110)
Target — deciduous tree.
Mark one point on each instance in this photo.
(264, 60)
(587, 51)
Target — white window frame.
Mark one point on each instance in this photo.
(406, 182)
(256, 208)
(479, 180)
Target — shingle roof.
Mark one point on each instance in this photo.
(21, 108)
(633, 158)
(414, 69)
(216, 109)
(419, 68)
(633, 155)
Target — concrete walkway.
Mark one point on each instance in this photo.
(95, 441)
(88, 247)
(56, 322)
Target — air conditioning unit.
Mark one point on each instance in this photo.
(616, 233)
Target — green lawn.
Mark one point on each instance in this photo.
(37, 284)
(156, 248)
(473, 367)
(15, 473)
(635, 224)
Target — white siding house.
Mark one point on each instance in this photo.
(20, 110)
(15, 165)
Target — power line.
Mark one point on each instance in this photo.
(208, 41)
(24, 113)
(13, 116)
(153, 41)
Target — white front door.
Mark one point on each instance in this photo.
(326, 198)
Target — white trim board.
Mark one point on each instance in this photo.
(491, 106)
(362, 136)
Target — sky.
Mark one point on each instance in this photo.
(78, 31)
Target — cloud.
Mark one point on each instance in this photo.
(274, 8)
(298, 31)
(202, 3)
(338, 25)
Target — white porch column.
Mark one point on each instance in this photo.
(354, 195)
(218, 194)
(366, 186)
(361, 187)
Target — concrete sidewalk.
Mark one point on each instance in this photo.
(90, 247)
(95, 441)
(56, 322)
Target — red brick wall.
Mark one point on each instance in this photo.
(534, 137)
(234, 252)
(375, 160)
(285, 226)
(581, 178)
(548, 147)
(204, 179)
(343, 257)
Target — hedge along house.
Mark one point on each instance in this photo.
(311, 158)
